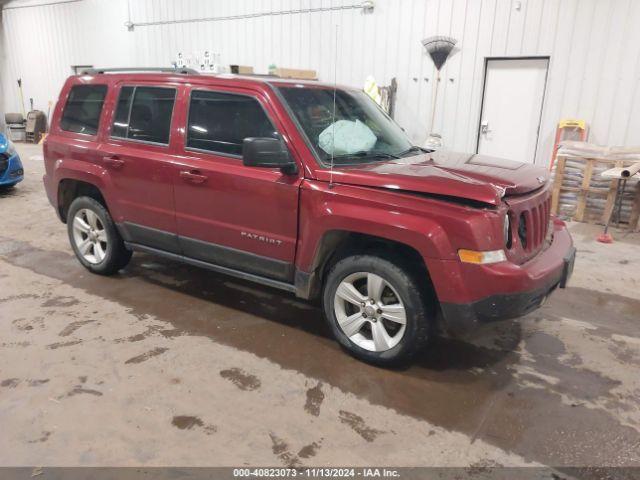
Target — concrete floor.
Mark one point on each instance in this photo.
(166, 364)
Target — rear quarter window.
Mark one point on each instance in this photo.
(82, 111)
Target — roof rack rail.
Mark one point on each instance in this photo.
(184, 71)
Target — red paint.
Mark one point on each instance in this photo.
(415, 200)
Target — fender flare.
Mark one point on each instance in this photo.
(322, 229)
(69, 169)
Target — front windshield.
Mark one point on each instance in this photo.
(359, 132)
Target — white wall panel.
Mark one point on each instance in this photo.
(594, 47)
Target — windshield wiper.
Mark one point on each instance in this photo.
(414, 148)
(365, 154)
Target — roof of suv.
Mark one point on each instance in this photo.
(199, 79)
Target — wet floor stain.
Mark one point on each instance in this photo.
(358, 425)
(188, 422)
(54, 346)
(43, 438)
(14, 382)
(309, 451)
(485, 467)
(60, 302)
(454, 385)
(72, 327)
(241, 379)
(15, 344)
(315, 397)
(10, 383)
(565, 377)
(26, 325)
(143, 357)
(37, 382)
(79, 390)
(22, 296)
(625, 353)
(280, 449)
(152, 330)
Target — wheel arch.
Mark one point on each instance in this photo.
(335, 245)
(71, 188)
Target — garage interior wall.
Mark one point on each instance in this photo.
(593, 45)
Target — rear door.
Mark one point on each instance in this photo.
(74, 136)
(228, 214)
(138, 151)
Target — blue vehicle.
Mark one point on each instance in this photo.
(11, 170)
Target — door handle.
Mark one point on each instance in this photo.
(484, 127)
(113, 162)
(193, 176)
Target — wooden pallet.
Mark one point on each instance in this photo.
(585, 189)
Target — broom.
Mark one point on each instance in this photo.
(439, 48)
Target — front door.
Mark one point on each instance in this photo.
(227, 214)
(512, 108)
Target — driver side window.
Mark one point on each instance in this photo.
(219, 122)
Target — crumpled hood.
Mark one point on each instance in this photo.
(470, 176)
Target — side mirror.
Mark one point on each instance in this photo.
(267, 153)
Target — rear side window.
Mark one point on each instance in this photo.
(219, 122)
(82, 112)
(144, 114)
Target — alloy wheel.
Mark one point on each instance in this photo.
(370, 312)
(90, 236)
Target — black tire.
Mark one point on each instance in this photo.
(413, 293)
(116, 255)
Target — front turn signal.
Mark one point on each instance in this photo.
(481, 258)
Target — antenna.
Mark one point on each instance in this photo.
(333, 114)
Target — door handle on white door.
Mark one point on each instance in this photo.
(484, 128)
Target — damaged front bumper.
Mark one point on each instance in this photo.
(522, 288)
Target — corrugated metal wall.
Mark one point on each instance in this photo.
(594, 47)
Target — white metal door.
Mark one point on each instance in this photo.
(512, 107)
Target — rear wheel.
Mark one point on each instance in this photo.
(94, 237)
(376, 310)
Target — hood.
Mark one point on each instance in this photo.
(470, 176)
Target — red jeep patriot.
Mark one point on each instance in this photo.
(306, 188)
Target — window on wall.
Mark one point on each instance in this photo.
(219, 122)
(82, 112)
(144, 114)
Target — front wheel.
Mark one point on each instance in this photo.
(94, 237)
(376, 309)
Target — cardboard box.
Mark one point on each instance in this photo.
(241, 69)
(295, 73)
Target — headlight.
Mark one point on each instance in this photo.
(11, 149)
